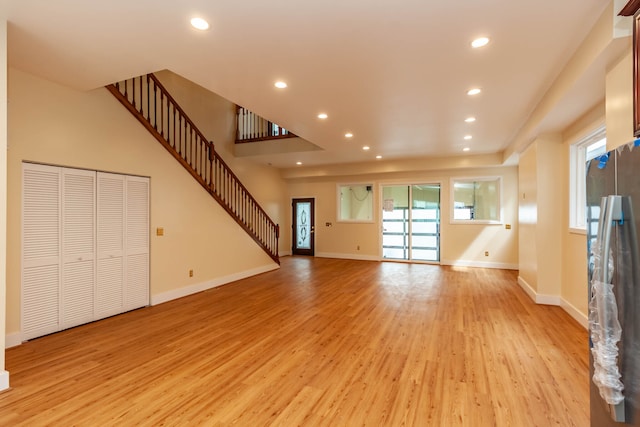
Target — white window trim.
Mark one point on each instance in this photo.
(499, 221)
(339, 203)
(577, 182)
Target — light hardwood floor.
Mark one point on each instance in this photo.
(319, 342)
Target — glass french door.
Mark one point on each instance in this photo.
(303, 226)
(411, 222)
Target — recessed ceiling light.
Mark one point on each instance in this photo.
(470, 119)
(479, 42)
(378, 157)
(466, 149)
(473, 91)
(468, 137)
(298, 163)
(366, 147)
(322, 116)
(348, 135)
(280, 85)
(199, 24)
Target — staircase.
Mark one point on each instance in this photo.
(155, 108)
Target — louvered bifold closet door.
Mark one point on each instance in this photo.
(110, 243)
(78, 246)
(41, 228)
(137, 243)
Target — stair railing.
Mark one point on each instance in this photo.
(251, 127)
(148, 100)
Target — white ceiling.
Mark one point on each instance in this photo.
(395, 73)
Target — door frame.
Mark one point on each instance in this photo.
(383, 184)
(294, 226)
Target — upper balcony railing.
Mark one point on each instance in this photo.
(252, 127)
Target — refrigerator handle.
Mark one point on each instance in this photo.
(611, 213)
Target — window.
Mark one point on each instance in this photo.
(355, 202)
(590, 147)
(476, 200)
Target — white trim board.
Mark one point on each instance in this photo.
(12, 340)
(480, 264)
(582, 319)
(203, 286)
(4, 380)
(15, 339)
(347, 256)
(571, 310)
(536, 297)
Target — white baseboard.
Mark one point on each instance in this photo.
(527, 288)
(548, 300)
(284, 253)
(536, 297)
(4, 380)
(480, 264)
(12, 340)
(203, 286)
(347, 256)
(554, 300)
(579, 317)
(15, 339)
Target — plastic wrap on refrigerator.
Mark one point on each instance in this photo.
(605, 331)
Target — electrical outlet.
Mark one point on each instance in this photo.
(486, 253)
(159, 231)
(190, 273)
(507, 226)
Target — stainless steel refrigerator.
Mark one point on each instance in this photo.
(613, 215)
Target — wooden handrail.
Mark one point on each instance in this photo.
(150, 102)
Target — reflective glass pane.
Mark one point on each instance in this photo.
(303, 219)
(394, 214)
(424, 227)
(392, 253)
(394, 227)
(425, 215)
(411, 217)
(422, 242)
(425, 255)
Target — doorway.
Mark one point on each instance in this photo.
(411, 222)
(303, 232)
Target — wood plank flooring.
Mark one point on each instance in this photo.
(320, 342)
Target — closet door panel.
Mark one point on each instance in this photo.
(78, 246)
(137, 290)
(109, 295)
(40, 250)
(137, 243)
(40, 301)
(110, 244)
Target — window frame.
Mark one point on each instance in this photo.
(474, 179)
(371, 202)
(577, 173)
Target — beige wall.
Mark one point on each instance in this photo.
(574, 243)
(619, 104)
(463, 244)
(559, 276)
(52, 124)
(528, 216)
(542, 173)
(216, 118)
(4, 376)
(552, 258)
(550, 209)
